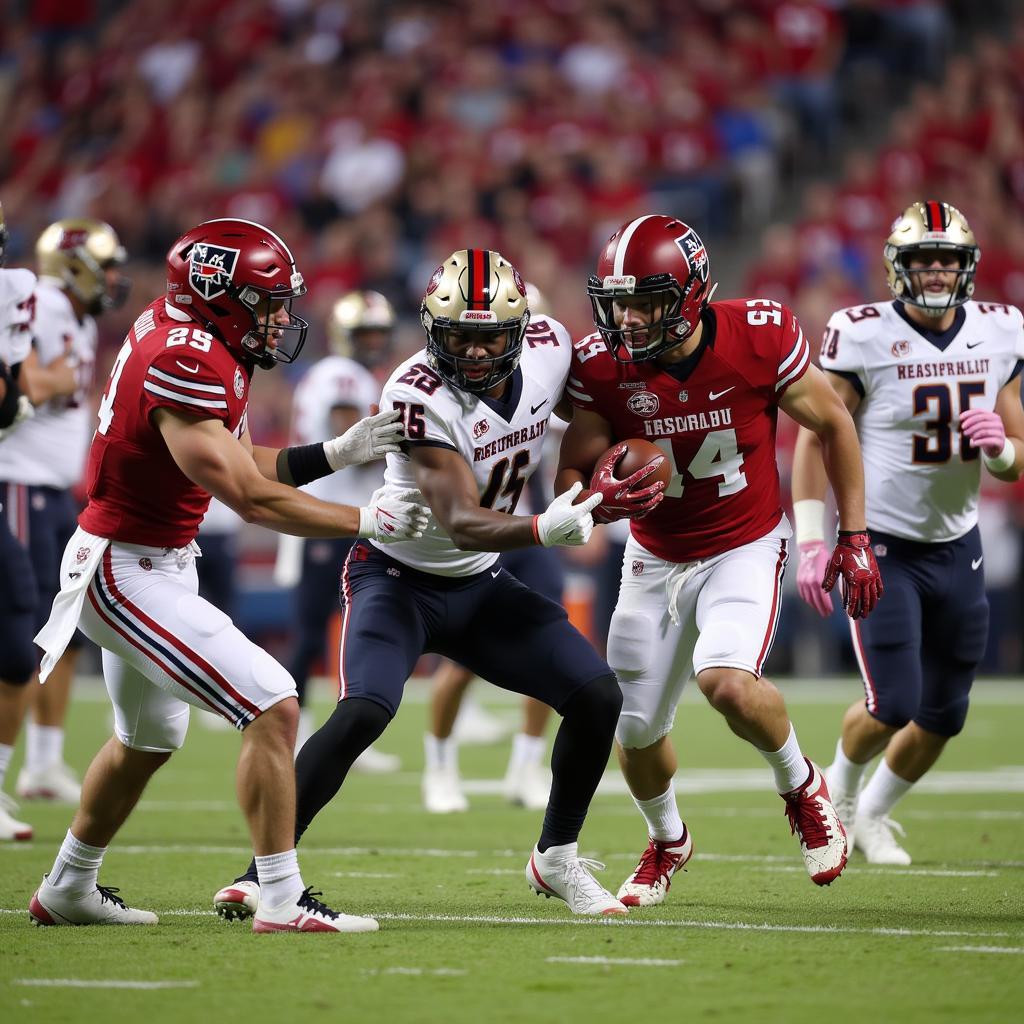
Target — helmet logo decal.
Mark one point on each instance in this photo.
(72, 238)
(694, 252)
(210, 268)
(435, 280)
(643, 403)
(519, 282)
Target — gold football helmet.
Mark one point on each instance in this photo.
(359, 327)
(78, 253)
(927, 227)
(475, 290)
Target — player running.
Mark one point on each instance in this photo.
(932, 379)
(172, 431)
(475, 404)
(702, 572)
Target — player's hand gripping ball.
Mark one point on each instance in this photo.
(631, 478)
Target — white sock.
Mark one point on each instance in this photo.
(556, 854)
(788, 764)
(77, 866)
(662, 816)
(526, 750)
(882, 793)
(440, 753)
(845, 775)
(6, 753)
(44, 746)
(280, 881)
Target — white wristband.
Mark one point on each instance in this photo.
(810, 520)
(367, 522)
(1004, 460)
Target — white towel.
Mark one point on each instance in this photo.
(78, 566)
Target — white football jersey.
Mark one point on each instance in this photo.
(50, 449)
(16, 305)
(501, 441)
(331, 383)
(922, 476)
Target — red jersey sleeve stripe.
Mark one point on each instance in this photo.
(184, 382)
(178, 396)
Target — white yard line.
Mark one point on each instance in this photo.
(612, 961)
(101, 983)
(982, 949)
(439, 972)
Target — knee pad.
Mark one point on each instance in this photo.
(630, 635)
(894, 706)
(945, 721)
(720, 642)
(599, 702)
(162, 736)
(968, 646)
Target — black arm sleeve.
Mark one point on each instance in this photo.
(9, 401)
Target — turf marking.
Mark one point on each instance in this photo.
(612, 961)
(982, 949)
(101, 983)
(438, 972)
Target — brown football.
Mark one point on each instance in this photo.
(638, 454)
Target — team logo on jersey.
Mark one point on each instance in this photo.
(38, 501)
(480, 428)
(210, 268)
(637, 567)
(684, 395)
(901, 349)
(146, 564)
(643, 403)
(239, 383)
(881, 550)
(696, 255)
(81, 555)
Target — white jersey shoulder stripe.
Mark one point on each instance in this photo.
(627, 235)
(796, 350)
(187, 399)
(580, 396)
(213, 389)
(798, 369)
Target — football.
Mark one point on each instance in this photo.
(638, 454)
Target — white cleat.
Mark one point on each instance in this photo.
(375, 762)
(475, 726)
(560, 872)
(528, 785)
(813, 819)
(56, 782)
(50, 906)
(442, 791)
(308, 914)
(10, 827)
(649, 884)
(874, 838)
(845, 804)
(237, 901)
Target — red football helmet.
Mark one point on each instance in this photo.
(221, 272)
(664, 261)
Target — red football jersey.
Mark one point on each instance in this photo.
(716, 423)
(137, 494)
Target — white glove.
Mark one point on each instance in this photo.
(371, 438)
(562, 522)
(388, 518)
(26, 410)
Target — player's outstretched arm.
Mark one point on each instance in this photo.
(999, 434)
(586, 439)
(212, 457)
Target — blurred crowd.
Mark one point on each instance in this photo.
(376, 137)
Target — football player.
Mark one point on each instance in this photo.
(18, 594)
(932, 378)
(702, 572)
(335, 392)
(476, 404)
(78, 262)
(172, 432)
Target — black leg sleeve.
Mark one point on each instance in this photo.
(579, 758)
(326, 757)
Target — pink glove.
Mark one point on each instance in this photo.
(984, 430)
(814, 560)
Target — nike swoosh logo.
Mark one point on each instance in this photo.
(715, 395)
(976, 344)
(534, 408)
(976, 562)
(495, 575)
(861, 560)
(190, 369)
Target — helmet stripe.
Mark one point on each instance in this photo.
(624, 240)
(478, 284)
(936, 215)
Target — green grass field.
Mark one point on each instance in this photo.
(744, 936)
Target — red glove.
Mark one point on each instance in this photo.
(854, 561)
(623, 499)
